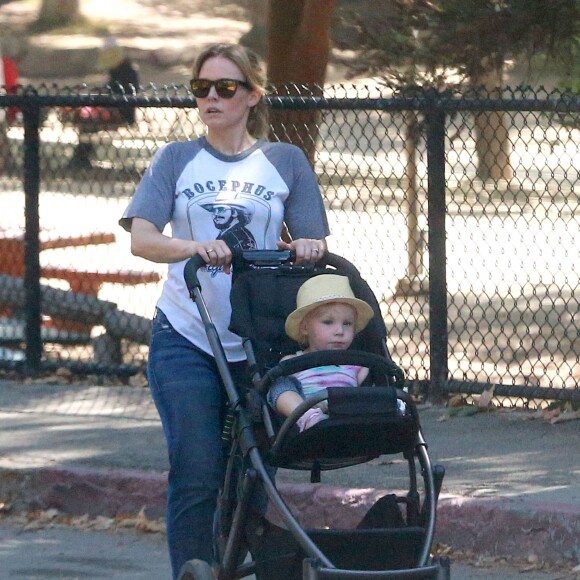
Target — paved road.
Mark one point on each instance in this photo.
(491, 455)
(70, 553)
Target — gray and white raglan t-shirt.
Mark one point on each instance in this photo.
(244, 199)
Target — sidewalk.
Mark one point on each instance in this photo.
(512, 486)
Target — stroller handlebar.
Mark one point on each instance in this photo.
(190, 272)
(241, 259)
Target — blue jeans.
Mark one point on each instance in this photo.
(191, 401)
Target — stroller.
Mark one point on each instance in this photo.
(394, 539)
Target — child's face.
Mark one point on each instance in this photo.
(329, 327)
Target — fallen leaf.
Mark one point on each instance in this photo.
(466, 411)
(565, 416)
(102, 523)
(551, 414)
(63, 372)
(485, 398)
(456, 401)
(48, 515)
(138, 380)
(533, 559)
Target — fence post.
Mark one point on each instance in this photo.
(31, 119)
(438, 336)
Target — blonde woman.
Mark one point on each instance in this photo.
(234, 167)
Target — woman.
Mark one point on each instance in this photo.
(232, 167)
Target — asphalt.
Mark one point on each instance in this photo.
(512, 484)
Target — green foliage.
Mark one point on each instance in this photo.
(423, 41)
(571, 66)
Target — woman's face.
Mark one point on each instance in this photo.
(220, 113)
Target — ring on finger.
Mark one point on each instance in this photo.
(210, 250)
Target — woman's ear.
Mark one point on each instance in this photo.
(254, 98)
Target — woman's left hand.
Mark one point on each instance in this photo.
(305, 250)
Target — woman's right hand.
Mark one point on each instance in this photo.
(216, 253)
(149, 243)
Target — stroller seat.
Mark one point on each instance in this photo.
(363, 421)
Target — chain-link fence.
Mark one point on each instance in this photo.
(458, 209)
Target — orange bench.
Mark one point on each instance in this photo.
(90, 282)
(80, 281)
(12, 246)
(83, 281)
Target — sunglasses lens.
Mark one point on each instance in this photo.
(226, 88)
(200, 88)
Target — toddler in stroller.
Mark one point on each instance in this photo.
(327, 317)
(395, 537)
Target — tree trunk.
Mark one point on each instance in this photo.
(299, 40)
(492, 143)
(255, 38)
(56, 13)
(298, 51)
(415, 282)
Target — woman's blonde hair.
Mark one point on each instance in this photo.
(249, 64)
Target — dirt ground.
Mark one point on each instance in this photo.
(162, 38)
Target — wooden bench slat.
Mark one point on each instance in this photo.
(89, 282)
(12, 331)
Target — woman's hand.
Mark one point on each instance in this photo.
(149, 243)
(306, 250)
(215, 253)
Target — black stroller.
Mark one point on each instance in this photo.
(394, 539)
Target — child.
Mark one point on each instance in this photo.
(327, 317)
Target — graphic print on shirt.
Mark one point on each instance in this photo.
(241, 220)
(231, 214)
(240, 202)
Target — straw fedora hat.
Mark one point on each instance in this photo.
(325, 289)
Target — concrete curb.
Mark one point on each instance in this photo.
(510, 528)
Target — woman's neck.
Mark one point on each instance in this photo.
(229, 144)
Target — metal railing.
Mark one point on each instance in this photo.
(458, 208)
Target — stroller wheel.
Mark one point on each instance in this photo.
(196, 570)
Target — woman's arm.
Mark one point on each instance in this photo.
(304, 212)
(149, 243)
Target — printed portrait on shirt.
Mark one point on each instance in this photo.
(231, 219)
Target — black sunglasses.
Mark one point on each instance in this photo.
(225, 88)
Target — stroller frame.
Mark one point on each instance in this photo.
(235, 516)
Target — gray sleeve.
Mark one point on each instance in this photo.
(154, 197)
(282, 385)
(304, 211)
